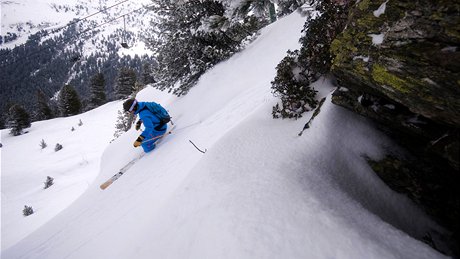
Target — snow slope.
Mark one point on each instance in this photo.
(25, 166)
(259, 191)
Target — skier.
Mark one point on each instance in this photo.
(154, 117)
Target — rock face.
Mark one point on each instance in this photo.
(406, 51)
(405, 55)
(401, 59)
(398, 62)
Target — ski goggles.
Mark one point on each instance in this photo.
(132, 106)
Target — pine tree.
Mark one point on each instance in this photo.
(314, 56)
(43, 111)
(69, 101)
(194, 36)
(300, 68)
(97, 91)
(126, 83)
(260, 8)
(296, 95)
(2, 121)
(288, 6)
(147, 74)
(18, 119)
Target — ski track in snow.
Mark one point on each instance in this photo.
(260, 191)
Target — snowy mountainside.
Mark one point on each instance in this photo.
(23, 18)
(51, 43)
(27, 17)
(73, 168)
(260, 190)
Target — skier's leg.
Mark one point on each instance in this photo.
(150, 145)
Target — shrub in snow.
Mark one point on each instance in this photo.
(27, 211)
(43, 144)
(80, 123)
(72, 129)
(58, 147)
(49, 182)
(124, 123)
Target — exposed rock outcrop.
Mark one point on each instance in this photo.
(398, 62)
(408, 53)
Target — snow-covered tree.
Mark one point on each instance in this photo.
(260, 8)
(288, 6)
(264, 8)
(69, 101)
(192, 37)
(18, 119)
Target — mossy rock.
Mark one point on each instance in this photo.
(416, 65)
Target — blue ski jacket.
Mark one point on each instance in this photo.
(151, 113)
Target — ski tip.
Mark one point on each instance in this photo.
(105, 185)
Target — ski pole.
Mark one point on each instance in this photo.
(169, 132)
(188, 126)
(157, 137)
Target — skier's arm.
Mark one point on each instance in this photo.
(148, 124)
(138, 124)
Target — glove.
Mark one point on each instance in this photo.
(138, 141)
(138, 124)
